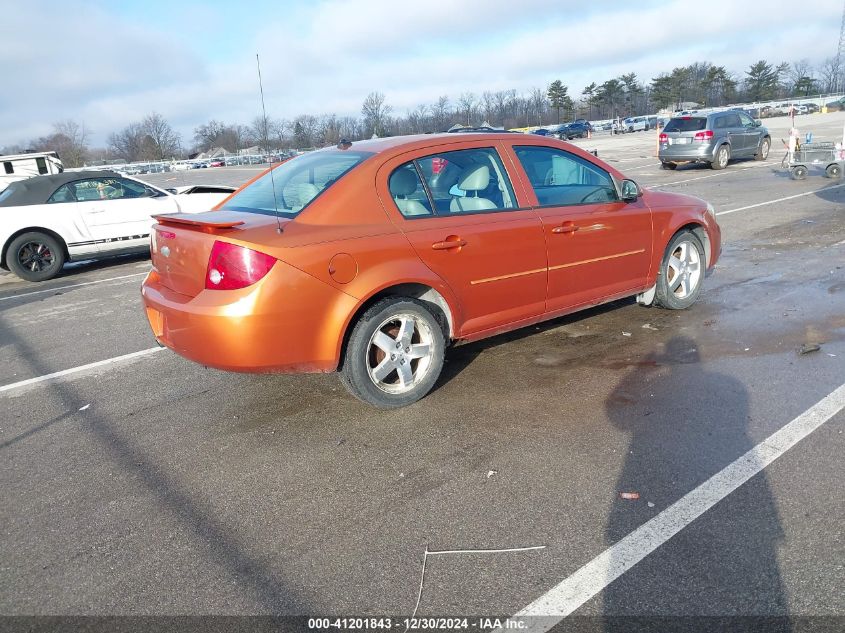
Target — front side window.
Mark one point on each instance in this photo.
(746, 120)
(560, 178)
(41, 164)
(108, 189)
(466, 181)
(294, 184)
(10, 169)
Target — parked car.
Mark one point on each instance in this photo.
(637, 124)
(577, 129)
(373, 257)
(48, 220)
(714, 138)
(217, 162)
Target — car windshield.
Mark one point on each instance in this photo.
(294, 184)
(686, 124)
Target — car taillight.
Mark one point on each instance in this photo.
(701, 137)
(664, 138)
(231, 267)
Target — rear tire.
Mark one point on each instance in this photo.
(681, 273)
(395, 353)
(35, 256)
(667, 165)
(723, 155)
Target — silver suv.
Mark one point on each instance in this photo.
(713, 138)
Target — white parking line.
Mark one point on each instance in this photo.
(74, 370)
(627, 169)
(57, 288)
(797, 195)
(564, 598)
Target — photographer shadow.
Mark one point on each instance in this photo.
(687, 423)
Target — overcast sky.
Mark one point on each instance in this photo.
(111, 63)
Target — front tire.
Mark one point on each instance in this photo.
(834, 170)
(723, 155)
(667, 165)
(681, 272)
(35, 256)
(799, 172)
(395, 353)
(763, 154)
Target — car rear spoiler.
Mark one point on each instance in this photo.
(208, 222)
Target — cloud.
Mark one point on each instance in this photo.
(108, 66)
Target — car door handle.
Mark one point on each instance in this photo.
(566, 227)
(449, 243)
(97, 211)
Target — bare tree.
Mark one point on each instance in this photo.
(830, 73)
(798, 70)
(466, 104)
(70, 140)
(375, 113)
(304, 131)
(441, 113)
(161, 140)
(208, 134)
(260, 132)
(127, 144)
(281, 132)
(418, 119)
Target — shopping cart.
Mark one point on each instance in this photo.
(824, 155)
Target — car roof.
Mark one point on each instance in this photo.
(38, 189)
(400, 144)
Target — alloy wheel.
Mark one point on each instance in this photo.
(683, 270)
(36, 256)
(399, 354)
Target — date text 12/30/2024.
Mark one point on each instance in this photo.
(416, 624)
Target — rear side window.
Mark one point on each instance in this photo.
(466, 181)
(562, 179)
(63, 194)
(408, 191)
(690, 124)
(42, 165)
(10, 169)
(294, 184)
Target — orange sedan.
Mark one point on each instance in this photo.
(373, 257)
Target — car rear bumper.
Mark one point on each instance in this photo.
(687, 152)
(288, 322)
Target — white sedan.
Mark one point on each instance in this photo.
(48, 220)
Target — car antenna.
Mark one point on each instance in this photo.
(272, 178)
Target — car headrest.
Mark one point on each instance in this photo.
(403, 182)
(475, 178)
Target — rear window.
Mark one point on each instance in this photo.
(294, 184)
(691, 124)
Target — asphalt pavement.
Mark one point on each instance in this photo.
(156, 486)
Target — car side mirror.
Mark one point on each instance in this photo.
(757, 123)
(630, 191)
(171, 190)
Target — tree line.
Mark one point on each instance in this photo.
(702, 83)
